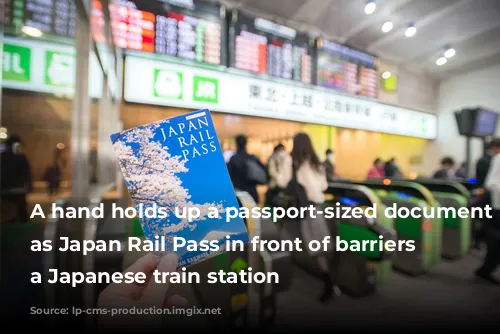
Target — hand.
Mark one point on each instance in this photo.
(126, 296)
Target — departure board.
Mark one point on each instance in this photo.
(486, 123)
(345, 69)
(264, 47)
(51, 17)
(185, 29)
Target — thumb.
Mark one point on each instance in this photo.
(154, 293)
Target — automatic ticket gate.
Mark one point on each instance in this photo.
(361, 271)
(356, 272)
(245, 306)
(456, 230)
(426, 233)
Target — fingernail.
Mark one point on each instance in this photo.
(169, 263)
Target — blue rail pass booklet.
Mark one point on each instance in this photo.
(178, 163)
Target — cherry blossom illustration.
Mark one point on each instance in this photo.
(152, 177)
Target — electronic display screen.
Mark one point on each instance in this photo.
(346, 70)
(51, 17)
(486, 123)
(184, 29)
(264, 47)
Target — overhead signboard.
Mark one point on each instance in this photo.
(192, 30)
(45, 67)
(261, 46)
(346, 70)
(160, 83)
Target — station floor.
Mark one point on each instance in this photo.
(449, 296)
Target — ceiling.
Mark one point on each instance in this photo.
(471, 27)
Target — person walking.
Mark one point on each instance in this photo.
(483, 198)
(246, 170)
(492, 184)
(329, 166)
(274, 168)
(446, 170)
(16, 180)
(483, 165)
(377, 170)
(304, 167)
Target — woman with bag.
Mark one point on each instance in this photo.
(304, 178)
(274, 168)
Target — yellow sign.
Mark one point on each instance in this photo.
(239, 301)
(390, 84)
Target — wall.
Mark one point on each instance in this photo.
(42, 122)
(356, 150)
(322, 138)
(477, 88)
(417, 91)
(414, 90)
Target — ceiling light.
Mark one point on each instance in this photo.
(370, 7)
(386, 27)
(31, 31)
(449, 53)
(441, 61)
(60, 146)
(410, 31)
(386, 75)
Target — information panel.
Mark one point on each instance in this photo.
(346, 70)
(264, 47)
(175, 85)
(184, 29)
(51, 17)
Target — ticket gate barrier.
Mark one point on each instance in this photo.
(456, 230)
(245, 306)
(426, 233)
(358, 229)
(420, 260)
(469, 185)
(356, 273)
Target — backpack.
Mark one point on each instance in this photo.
(294, 195)
(255, 173)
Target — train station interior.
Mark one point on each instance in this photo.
(413, 84)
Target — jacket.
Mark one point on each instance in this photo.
(313, 181)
